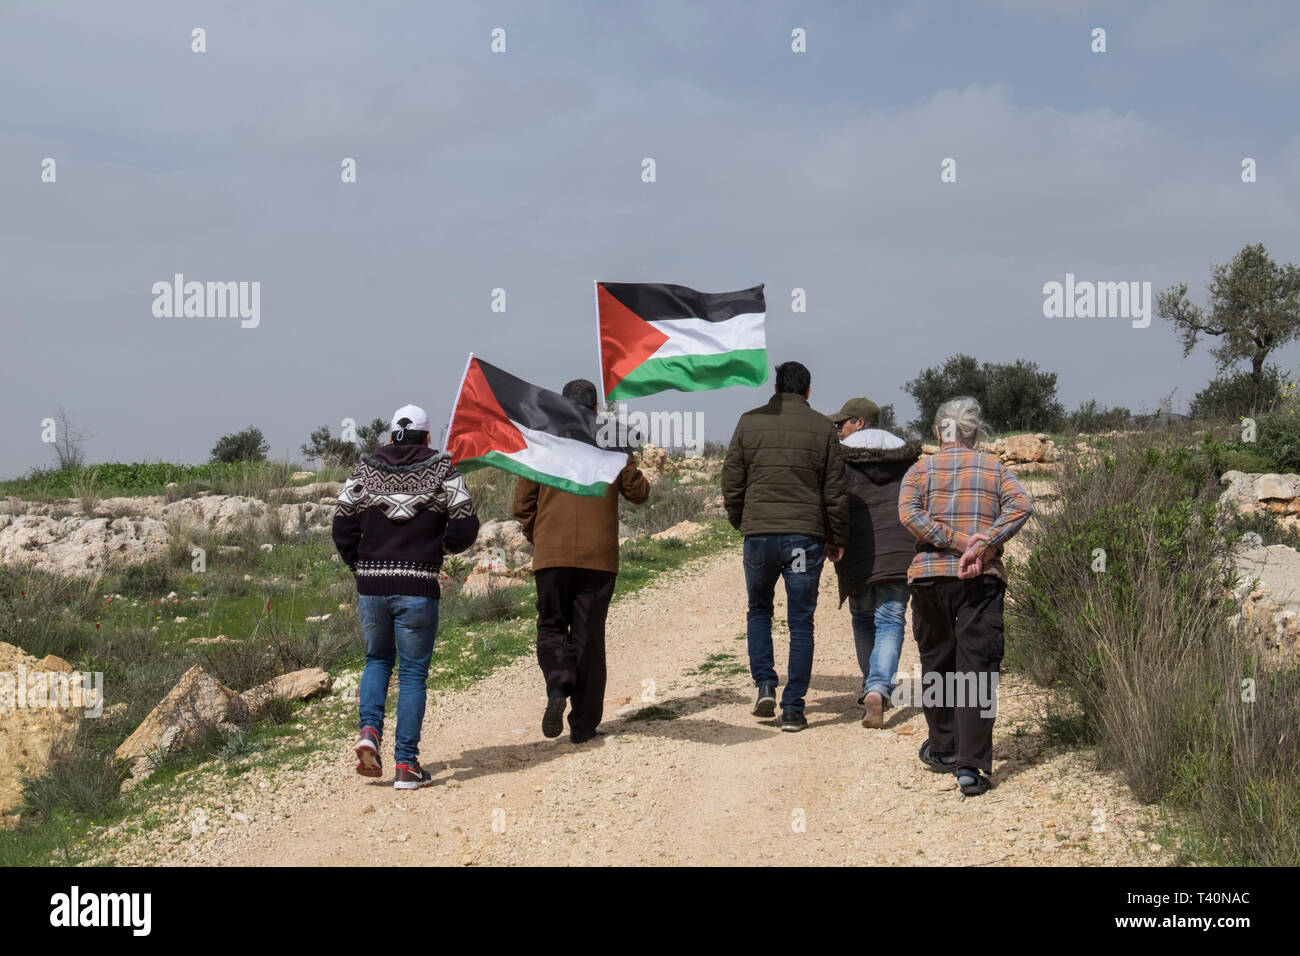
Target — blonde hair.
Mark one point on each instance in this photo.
(958, 419)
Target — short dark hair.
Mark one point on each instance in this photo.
(409, 435)
(793, 378)
(581, 391)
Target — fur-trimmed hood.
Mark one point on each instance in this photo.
(908, 452)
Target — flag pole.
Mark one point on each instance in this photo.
(600, 355)
(456, 401)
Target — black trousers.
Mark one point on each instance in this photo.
(571, 608)
(958, 629)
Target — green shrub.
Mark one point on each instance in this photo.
(83, 782)
(1277, 439)
(669, 503)
(1148, 650)
(144, 579)
(1235, 396)
(1090, 417)
(248, 445)
(1247, 461)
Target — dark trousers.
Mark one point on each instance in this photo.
(958, 628)
(571, 608)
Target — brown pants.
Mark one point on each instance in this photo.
(958, 629)
(571, 608)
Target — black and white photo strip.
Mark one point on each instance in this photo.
(513, 435)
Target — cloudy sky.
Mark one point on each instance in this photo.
(522, 170)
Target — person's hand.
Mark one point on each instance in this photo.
(970, 565)
(835, 553)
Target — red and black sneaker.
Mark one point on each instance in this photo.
(411, 776)
(368, 764)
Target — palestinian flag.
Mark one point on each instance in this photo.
(659, 337)
(505, 422)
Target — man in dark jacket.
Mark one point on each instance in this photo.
(575, 565)
(783, 489)
(398, 511)
(873, 572)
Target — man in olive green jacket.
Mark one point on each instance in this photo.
(783, 489)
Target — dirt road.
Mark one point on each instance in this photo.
(712, 786)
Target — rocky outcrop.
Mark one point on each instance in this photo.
(1247, 493)
(199, 701)
(683, 531)
(79, 546)
(297, 685)
(1023, 454)
(130, 530)
(30, 736)
(1269, 592)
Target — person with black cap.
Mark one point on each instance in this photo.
(575, 565)
(399, 510)
(873, 572)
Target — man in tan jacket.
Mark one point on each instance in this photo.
(575, 564)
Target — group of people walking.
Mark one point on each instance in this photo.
(803, 488)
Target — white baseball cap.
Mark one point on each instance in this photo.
(416, 420)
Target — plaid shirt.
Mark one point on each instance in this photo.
(959, 490)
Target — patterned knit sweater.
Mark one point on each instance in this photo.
(399, 510)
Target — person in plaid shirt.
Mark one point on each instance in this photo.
(962, 506)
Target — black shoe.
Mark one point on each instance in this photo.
(553, 719)
(765, 706)
(972, 783)
(938, 762)
(793, 721)
(411, 776)
(584, 737)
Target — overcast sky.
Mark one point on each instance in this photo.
(522, 170)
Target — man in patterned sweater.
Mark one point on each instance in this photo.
(399, 510)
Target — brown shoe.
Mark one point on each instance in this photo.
(875, 705)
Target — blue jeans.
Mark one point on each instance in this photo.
(404, 625)
(877, 611)
(798, 559)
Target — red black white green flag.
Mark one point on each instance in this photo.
(505, 422)
(656, 337)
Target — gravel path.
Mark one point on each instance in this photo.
(713, 786)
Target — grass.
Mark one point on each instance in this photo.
(1150, 652)
(142, 649)
(653, 712)
(120, 479)
(721, 666)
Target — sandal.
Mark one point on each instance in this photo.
(972, 782)
(934, 761)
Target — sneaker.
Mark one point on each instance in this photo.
(553, 719)
(875, 710)
(765, 706)
(793, 721)
(368, 764)
(411, 776)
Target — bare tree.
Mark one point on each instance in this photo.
(69, 441)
